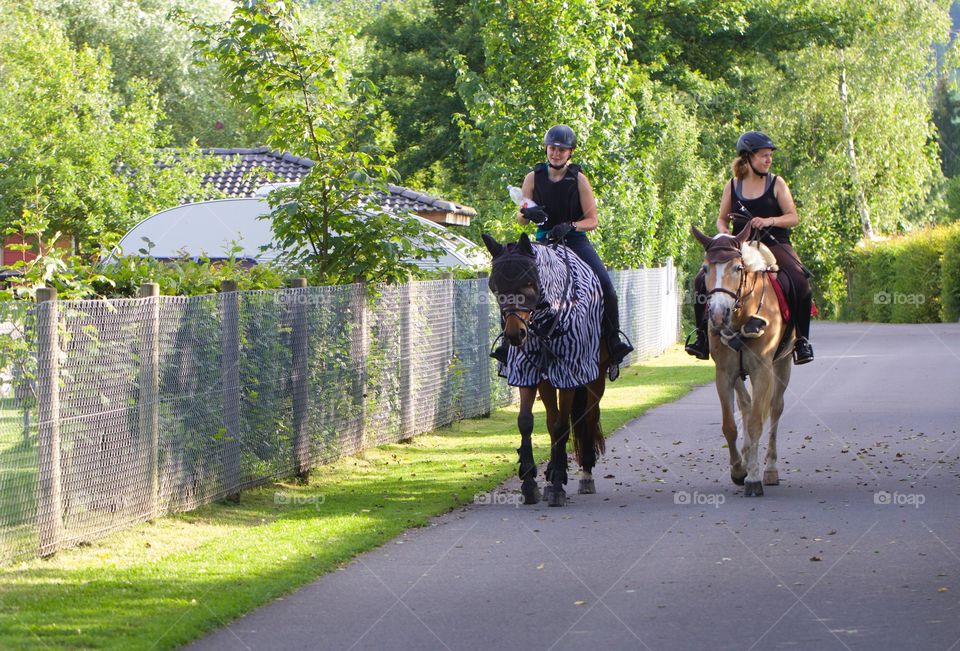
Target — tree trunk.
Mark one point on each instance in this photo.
(862, 208)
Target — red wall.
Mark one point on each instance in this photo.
(9, 256)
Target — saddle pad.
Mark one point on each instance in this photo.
(781, 297)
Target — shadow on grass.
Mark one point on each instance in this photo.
(121, 593)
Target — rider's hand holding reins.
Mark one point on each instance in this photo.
(558, 232)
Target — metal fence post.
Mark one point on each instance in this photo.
(49, 501)
(483, 343)
(299, 377)
(230, 365)
(150, 394)
(359, 346)
(408, 359)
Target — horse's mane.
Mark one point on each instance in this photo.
(553, 273)
(756, 256)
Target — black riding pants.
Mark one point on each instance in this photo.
(580, 245)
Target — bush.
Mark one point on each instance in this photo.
(915, 296)
(950, 277)
(913, 279)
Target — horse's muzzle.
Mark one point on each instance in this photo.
(516, 338)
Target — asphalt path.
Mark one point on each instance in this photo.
(857, 548)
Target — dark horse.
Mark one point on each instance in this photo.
(551, 304)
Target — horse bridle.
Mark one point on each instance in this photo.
(738, 295)
(532, 328)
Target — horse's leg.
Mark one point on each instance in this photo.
(762, 379)
(528, 468)
(725, 391)
(559, 434)
(582, 449)
(782, 377)
(548, 395)
(589, 437)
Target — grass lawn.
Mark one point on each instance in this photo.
(162, 584)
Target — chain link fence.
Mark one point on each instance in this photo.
(116, 412)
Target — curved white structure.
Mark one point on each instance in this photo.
(214, 228)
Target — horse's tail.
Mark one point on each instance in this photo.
(587, 433)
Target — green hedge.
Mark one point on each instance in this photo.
(913, 279)
(950, 277)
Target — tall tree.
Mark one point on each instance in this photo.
(75, 157)
(854, 121)
(291, 78)
(146, 45)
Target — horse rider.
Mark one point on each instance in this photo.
(760, 198)
(566, 210)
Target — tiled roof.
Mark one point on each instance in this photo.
(238, 180)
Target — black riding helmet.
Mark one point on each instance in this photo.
(751, 141)
(560, 135)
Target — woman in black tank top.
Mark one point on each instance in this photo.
(566, 210)
(764, 201)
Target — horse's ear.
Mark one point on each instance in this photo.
(493, 246)
(705, 239)
(744, 234)
(524, 245)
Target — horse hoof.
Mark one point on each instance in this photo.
(587, 487)
(753, 489)
(771, 478)
(530, 491)
(557, 498)
(738, 479)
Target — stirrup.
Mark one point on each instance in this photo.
(501, 352)
(754, 327)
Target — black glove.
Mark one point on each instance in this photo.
(536, 214)
(558, 232)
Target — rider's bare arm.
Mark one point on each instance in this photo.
(789, 218)
(726, 205)
(588, 203)
(526, 189)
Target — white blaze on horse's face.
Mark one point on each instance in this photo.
(723, 289)
(719, 305)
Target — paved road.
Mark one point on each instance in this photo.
(858, 548)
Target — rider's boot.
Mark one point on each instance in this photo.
(802, 350)
(700, 348)
(616, 347)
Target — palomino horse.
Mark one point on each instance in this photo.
(551, 303)
(748, 337)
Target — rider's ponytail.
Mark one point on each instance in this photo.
(740, 166)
